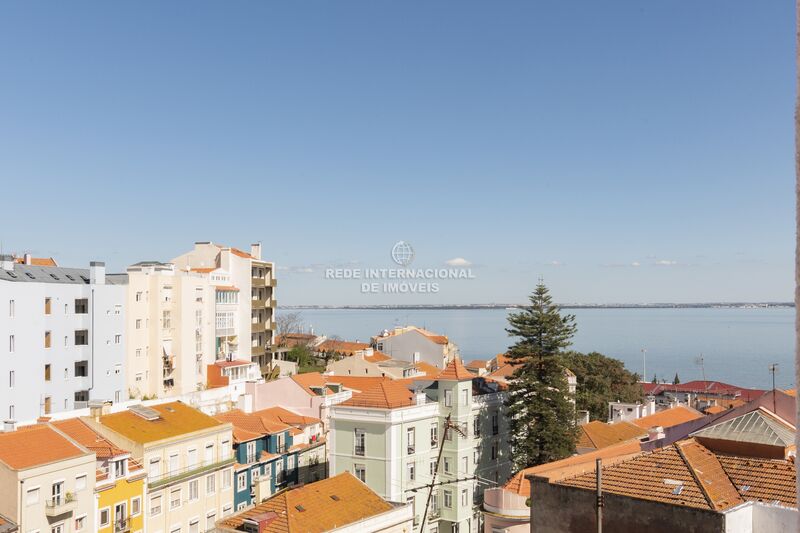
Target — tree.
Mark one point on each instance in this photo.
(655, 380)
(541, 414)
(677, 380)
(301, 355)
(288, 323)
(602, 379)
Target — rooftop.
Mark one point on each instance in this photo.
(599, 435)
(455, 371)
(316, 507)
(54, 274)
(703, 387)
(668, 417)
(756, 427)
(36, 445)
(81, 433)
(173, 419)
(249, 426)
(387, 394)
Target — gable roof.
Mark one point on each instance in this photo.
(597, 434)
(286, 416)
(175, 418)
(388, 394)
(36, 445)
(703, 387)
(322, 506)
(307, 380)
(755, 427)
(709, 475)
(455, 371)
(668, 417)
(81, 433)
(250, 426)
(342, 347)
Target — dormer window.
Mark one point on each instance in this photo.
(120, 468)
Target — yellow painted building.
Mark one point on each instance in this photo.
(120, 489)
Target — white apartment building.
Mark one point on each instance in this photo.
(63, 338)
(391, 438)
(415, 345)
(170, 330)
(245, 311)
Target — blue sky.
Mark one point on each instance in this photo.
(567, 140)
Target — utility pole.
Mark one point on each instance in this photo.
(448, 425)
(773, 368)
(599, 482)
(644, 365)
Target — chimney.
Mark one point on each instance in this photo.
(7, 261)
(97, 273)
(583, 416)
(27, 259)
(655, 433)
(9, 426)
(421, 398)
(651, 406)
(98, 408)
(255, 250)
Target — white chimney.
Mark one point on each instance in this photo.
(255, 250)
(655, 433)
(27, 259)
(97, 273)
(7, 261)
(9, 425)
(421, 398)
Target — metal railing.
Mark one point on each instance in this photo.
(183, 473)
(123, 525)
(360, 450)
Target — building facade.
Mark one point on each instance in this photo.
(416, 345)
(63, 338)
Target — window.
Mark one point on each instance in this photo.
(32, 496)
(476, 427)
(194, 526)
(360, 442)
(227, 510)
(448, 398)
(81, 306)
(11, 343)
(494, 450)
(11, 379)
(411, 471)
(191, 459)
(464, 497)
(211, 484)
(138, 352)
(361, 472)
(173, 463)
(11, 412)
(175, 498)
(211, 520)
(155, 467)
(251, 452)
(47, 372)
(241, 481)
(47, 305)
(194, 492)
(81, 337)
(447, 465)
(166, 319)
(66, 340)
(465, 397)
(448, 499)
(11, 309)
(117, 339)
(80, 523)
(494, 423)
(226, 478)
(410, 440)
(432, 469)
(155, 505)
(105, 517)
(226, 449)
(136, 506)
(476, 455)
(209, 454)
(138, 323)
(47, 339)
(434, 435)
(81, 369)
(465, 464)
(254, 475)
(139, 296)
(80, 483)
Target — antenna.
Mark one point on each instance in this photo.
(701, 361)
(773, 369)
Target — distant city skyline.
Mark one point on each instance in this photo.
(621, 152)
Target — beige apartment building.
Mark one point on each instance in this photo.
(170, 330)
(189, 462)
(47, 481)
(245, 304)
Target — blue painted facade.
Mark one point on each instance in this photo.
(281, 470)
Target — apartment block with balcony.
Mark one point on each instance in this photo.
(62, 337)
(47, 481)
(170, 330)
(120, 480)
(188, 459)
(253, 315)
(401, 436)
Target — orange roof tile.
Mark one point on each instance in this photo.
(765, 480)
(791, 392)
(36, 445)
(598, 434)
(38, 261)
(249, 426)
(289, 417)
(714, 409)
(342, 347)
(668, 417)
(235, 362)
(455, 371)
(575, 465)
(477, 364)
(80, 432)
(377, 357)
(175, 418)
(429, 370)
(204, 270)
(240, 253)
(317, 507)
(711, 478)
(310, 379)
(357, 383)
(506, 371)
(388, 394)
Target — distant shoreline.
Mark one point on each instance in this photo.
(707, 305)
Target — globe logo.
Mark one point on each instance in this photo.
(402, 253)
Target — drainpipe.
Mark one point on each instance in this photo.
(91, 387)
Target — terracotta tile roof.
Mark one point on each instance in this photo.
(709, 475)
(715, 409)
(294, 339)
(227, 288)
(455, 371)
(377, 357)
(598, 434)
(204, 270)
(249, 426)
(175, 419)
(81, 433)
(716, 388)
(289, 417)
(341, 347)
(572, 466)
(38, 261)
(313, 507)
(235, 362)
(388, 394)
(240, 253)
(477, 364)
(427, 368)
(688, 474)
(791, 392)
(357, 383)
(36, 445)
(504, 372)
(668, 417)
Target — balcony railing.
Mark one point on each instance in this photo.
(410, 449)
(122, 526)
(360, 450)
(58, 505)
(171, 476)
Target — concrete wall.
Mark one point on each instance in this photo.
(556, 508)
(403, 346)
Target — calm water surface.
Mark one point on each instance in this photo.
(737, 344)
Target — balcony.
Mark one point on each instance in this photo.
(258, 327)
(122, 526)
(410, 449)
(173, 476)
(60, 505)
(259, 303)
(259, 282)
(359, 451)
(273, 283)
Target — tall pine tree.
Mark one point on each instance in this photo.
(541, 415)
